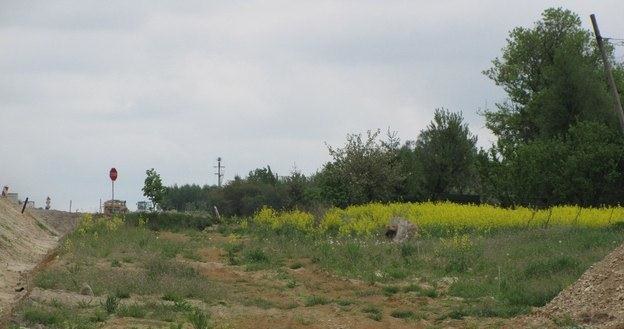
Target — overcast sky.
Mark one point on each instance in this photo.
(88, 85)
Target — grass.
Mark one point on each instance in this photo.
(403, 314)
(111, 304)
(314, 300)
(157, 268)
(420, 291)
(344, 302)
(390, 290)
(373, 312)
(497, 273)
(155, 271)
(518, 268)
(199, 319)
(132, 310)
(57, 315)
(260, 302)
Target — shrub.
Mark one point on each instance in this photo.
(166, 221)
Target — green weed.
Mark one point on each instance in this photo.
(199, 319)
(403, 314)
(373, 312)
(315, 300)
(111, 304)
(132, 310)
(390, 290)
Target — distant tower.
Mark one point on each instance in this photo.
(219, 172)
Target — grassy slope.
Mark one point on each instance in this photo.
(499, 273)
(494, 274)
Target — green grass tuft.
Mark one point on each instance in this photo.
(315, 300)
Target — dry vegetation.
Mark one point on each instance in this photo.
(247, 276)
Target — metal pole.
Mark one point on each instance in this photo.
(219, 171)
(25, 203)
(607, 68)
(113, 194)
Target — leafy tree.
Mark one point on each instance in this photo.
(153, 188)
(557, 134)
(363, 170)
(586, 167)
(298, 190)
(447, 153)
(412, 188)
(262, 176)
(594, 167)
(553, 77)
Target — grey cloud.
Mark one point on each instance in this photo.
(86, 85)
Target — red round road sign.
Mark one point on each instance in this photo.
(113, 174)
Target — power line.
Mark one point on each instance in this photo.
(615, 41)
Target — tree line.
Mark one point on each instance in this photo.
(557, 142)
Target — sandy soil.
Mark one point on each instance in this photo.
(26, 240)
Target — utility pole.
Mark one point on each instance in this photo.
(219, 172)
(607, 67)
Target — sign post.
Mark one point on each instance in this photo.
(113, 176)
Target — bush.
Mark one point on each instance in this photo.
(167, 221)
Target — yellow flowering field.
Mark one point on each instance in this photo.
(370, 218)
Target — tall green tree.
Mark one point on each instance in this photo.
(558, 140)
(153, 188)
(553, 77)
(447, 151)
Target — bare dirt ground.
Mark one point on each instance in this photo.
(25, 242)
